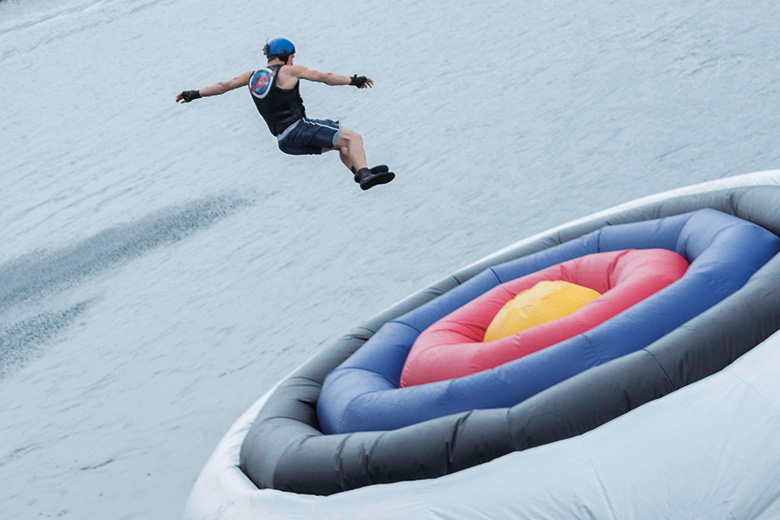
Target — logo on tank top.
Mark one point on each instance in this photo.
(261, 81)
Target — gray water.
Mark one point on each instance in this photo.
(162, 265)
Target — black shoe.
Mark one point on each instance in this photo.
(376, 169)
(368, 179)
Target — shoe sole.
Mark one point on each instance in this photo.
(380, 168)
(376, 179)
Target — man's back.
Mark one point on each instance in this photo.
(280, 107)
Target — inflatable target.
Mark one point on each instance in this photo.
(495, 390)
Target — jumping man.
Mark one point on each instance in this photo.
(275, 90)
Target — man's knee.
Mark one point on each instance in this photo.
(347, 138)
(354, 140)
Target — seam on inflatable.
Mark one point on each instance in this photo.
(307, 378)
(340, 473)
(282, 418)
(598, 236)
(506, 290)
(730, 226)
(495, 274)
(735, 200)
(466, 277)
(404, 324)
(345, 369)
(224, 509)
(716, 282)
(759, 394)
(508, 425)
(613, 266)
(369, 453)
(766, 290)
(350, 404)
(291, 448)
(355, 334)
(666, 374)
(598, 477)
(592, 348)
(454, 438)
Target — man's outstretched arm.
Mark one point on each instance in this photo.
(216, 89)
(301, 72)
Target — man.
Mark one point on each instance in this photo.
(276, 93)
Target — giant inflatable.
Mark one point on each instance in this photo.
(654, 397)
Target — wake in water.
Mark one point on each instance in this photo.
(29, 283)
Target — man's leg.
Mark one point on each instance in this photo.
(345, 159)
(344, 156)
(350, 147)
(352, 154)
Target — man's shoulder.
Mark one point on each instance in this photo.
(288, 76)
(292, 70)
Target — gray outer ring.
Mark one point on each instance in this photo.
(285, 450)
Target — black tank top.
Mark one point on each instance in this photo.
(280, 108)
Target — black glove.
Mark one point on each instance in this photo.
(189, 95)
(358, 81)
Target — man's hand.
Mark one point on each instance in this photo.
(187, 96)
(361, 81)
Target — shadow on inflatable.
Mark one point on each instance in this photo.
(651, 404)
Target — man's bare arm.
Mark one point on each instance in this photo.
(301, 72)
(217, 88)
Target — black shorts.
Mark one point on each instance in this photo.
(309, 136)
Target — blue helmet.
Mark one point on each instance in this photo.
(280, 47)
